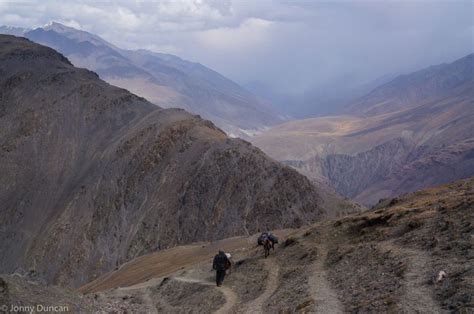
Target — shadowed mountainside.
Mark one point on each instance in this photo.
(93, 176)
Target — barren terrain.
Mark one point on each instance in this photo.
(385, 260)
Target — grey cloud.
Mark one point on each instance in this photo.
(289, 46)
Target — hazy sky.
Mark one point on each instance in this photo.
(288, 45)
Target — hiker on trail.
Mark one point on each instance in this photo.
(220, 264)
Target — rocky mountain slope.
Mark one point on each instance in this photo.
(163, 79)
(409, 254)
(93, 176)
(429, 141)
(408, 91)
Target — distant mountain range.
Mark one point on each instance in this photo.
(408, 91)
(93, 175)
(414, 131)
(164, 79)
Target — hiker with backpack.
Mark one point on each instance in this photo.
(220, 264)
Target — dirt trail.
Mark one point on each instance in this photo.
(418, 296)
(230, 296)
(143, 290)
(271, 285)
(161, 264)
(325, 298)
(165, 262)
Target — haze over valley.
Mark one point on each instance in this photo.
(412, 132)
(236, 157)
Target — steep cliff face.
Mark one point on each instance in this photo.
(93, 175)
(352, 174)
(393, 168)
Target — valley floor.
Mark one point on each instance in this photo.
(385, 260)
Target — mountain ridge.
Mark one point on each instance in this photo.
(408, 90)
(164, 80)
(95, 175)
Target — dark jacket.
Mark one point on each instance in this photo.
(220, 262)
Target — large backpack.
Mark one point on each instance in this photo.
(273, 238)
(221, 262)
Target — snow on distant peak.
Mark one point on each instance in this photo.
(48, 25)
(73, 31)
(69, 26)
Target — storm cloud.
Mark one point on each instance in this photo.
(286, 46)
